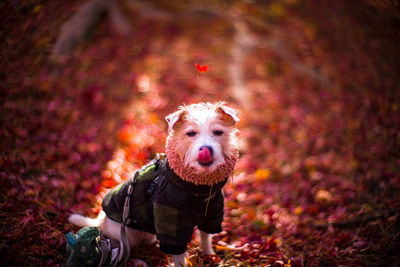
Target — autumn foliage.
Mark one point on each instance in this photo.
(317, 83)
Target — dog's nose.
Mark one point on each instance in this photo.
(205, 155)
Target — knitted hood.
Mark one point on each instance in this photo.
(190, 174)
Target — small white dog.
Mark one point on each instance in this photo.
(174, 193)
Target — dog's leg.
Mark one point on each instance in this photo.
(206, 242)
(146, 239)
(180, 260)
(112, 229)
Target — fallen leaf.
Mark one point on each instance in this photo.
(202, 69)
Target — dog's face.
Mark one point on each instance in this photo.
(204, 135)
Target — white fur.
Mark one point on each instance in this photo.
(202, 124)
(180, 260)
(206, 241)
(82, 221)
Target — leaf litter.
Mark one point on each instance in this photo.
(317, 183)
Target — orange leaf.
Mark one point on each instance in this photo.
(109, 183)
(106, 174)
(262, 174)
(218, 247)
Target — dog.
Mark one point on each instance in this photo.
(179, 191)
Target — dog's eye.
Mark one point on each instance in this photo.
(191, 133)
(218, 132)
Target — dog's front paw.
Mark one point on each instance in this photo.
(179, 260)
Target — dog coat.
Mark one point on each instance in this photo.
(167, 206)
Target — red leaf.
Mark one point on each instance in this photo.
(202, 69)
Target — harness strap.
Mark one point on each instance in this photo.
(105, 248)
(126, 220)
(112, 252)
(123, 257)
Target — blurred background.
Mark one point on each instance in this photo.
(86, 84)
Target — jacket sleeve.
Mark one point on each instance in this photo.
(211, 223)
(174, 229)
(174, 225)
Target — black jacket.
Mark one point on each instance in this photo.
(165, 205)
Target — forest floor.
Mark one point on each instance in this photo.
(318, 180)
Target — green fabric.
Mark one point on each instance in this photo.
(113, 202)
(166, 221)
(82, 247)
(166, 208)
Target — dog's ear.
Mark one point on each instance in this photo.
(227, 115)
(175, 119)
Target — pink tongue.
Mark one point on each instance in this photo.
(204, 155)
